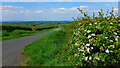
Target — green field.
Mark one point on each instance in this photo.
(12, 31)
(48, 51)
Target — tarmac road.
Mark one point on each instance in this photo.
(11, 49)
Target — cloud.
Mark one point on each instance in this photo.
(107, 5)
(115, 9)
(94, 11)
(27, 11)
(83, 6)
(61, 8)
(73, 8)
(60, 0)
(38, 11)
(9, 6)
(21, 11)
(5, 10)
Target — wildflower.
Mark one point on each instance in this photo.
(90, 24)
(108, 18)
(95, 23)
(98, 58)
(111, 23)
(107, 51)
(91, 47)
(111, 40)
(89, 36)
(76, 54)
(119, 25)
(116, 39)
(76, 44)
(88, 49)
(106, 37)
(115, 33)
(86, 58)
(117, 36)
(83, 54)
(84, 30)
(103, 59)
(81, 50)
(93, 34)
(90, 40)
(90, 58)
(88, 31)
(83, 43)
(111, 46)
(87, 44)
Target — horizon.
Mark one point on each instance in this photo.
(51, 11)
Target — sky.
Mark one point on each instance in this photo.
(51, 11)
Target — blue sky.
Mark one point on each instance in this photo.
(51, 11)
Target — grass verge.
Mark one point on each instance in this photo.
(47, 51)
(21, 33)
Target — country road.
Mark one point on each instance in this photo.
(11, 49)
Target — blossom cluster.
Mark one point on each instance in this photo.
(95, 41)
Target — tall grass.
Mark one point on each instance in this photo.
(48, 51)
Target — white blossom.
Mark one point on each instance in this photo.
(90, 24)
(91, 47)
(98, 58)
(93, 34)
(111, 46)
(87, 44)
(116, 39)
(76, 54)
(76, 44)
(106, 37)
(117, 36)
(108, 18)
(115, 33)
(89, 36)
(119, 25)
(85, 30)
(111, 23)
(111, 40)
(95, 23)
(90, 58)
(88, 31)
(107, 51)
(88, 49)
(86, 58)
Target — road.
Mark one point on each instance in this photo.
(11, 49)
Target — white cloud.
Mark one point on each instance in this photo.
(94, 11)
(61, 8)
(21, 11)
(60, 0)
(27, 11)
(107, 5)
(5, 10)
(115, 9)
(9, 6)
(38, 11)
(73, 8)
(83, 6)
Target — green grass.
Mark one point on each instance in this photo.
(21, 33)
(47, 51)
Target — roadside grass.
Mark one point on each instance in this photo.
(21, 33)
(47, 51)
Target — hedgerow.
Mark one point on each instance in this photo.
(94, 41)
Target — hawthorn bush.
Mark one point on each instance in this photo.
(94, 41)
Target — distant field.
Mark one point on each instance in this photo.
(12, 31)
